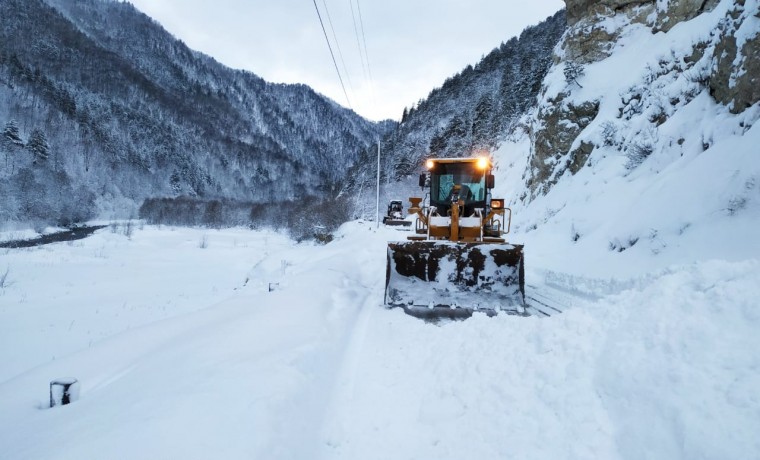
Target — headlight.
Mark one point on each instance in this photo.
(483, 163)
(497, 204)
(430, 164)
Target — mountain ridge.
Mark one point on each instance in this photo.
(118, 97)
(473, 111)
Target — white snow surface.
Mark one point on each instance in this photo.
(239, 344)
(184, 352)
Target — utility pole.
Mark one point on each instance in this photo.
(377, 206)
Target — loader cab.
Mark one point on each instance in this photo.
(395, 206)
(471, 175)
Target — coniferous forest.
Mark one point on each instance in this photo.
(473, 111)
(101, 108)
(104, 113)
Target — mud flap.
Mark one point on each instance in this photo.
(438, 277)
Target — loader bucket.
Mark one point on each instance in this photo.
(447, 279)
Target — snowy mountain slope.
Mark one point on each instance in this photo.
(660, 366)
(701, 206)
(471, 110)
(122, 111)
(671, 173)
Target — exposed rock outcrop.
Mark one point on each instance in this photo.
(590, 38)
(726, 61)
(736, 78)
(578, 10)
(672, 12)
(589, 43)
(562, 121)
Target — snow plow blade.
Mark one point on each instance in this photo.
(431, 279)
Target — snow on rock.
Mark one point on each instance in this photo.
(661, 170)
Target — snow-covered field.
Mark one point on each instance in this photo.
(182, 351)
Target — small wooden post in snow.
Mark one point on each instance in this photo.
(377, 202)
(63, 391)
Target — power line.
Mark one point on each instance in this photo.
(337, 45)
(332, 54)
(358, 42)
(366, 54)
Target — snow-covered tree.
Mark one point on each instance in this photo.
(11, 134)
(38, 145)
(483, 126)
(11, 143)
(572, 72)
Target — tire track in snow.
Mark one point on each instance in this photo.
(345, 378)
(544, 301)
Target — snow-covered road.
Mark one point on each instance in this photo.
(660, 366)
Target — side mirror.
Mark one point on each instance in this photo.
(423, 179)
(490, 181)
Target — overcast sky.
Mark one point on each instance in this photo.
(412, 45)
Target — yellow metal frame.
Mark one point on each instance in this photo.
(454, 232)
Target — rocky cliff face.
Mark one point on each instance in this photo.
(735, 79)
(698, 46)
(592, 37)
(668, 12)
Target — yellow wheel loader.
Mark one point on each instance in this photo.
(395, 215)
(457, 261)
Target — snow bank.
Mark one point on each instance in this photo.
(666, 371)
